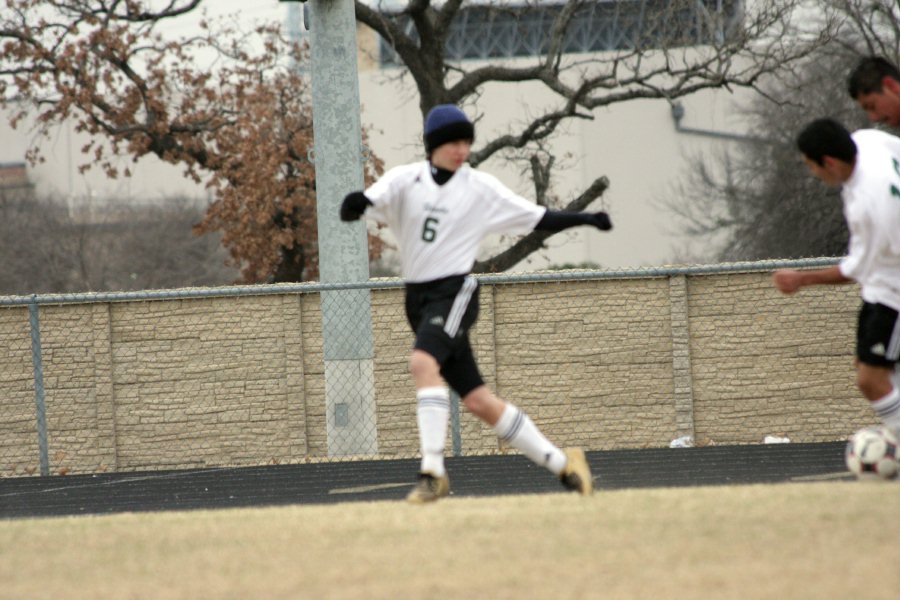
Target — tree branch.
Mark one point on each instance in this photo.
(535, 240)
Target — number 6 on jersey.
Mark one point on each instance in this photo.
(429, 231)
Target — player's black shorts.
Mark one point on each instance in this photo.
(441, 312)
(878, 335)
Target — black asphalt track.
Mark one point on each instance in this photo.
(391, 479)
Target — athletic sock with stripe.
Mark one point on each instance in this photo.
(516, 429)
(888, 410)
(433, 414)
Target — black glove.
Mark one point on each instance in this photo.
(354, 205)
(601, 221)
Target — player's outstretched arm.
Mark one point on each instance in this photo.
(354, 205)
(557, 220)
(789, 281)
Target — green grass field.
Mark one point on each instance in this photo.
(802, 540)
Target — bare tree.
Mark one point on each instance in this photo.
(757, 199)
(151, 246)
(56, 246)
(662, 49)
(867, 28)
(244, 124)
(33, 260)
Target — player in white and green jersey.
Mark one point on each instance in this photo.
(866, 166)
(440, 210)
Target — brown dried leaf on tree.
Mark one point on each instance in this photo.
(242, 126)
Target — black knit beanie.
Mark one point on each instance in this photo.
(446, 123)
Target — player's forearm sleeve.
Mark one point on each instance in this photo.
(354, 205)
(556, 220)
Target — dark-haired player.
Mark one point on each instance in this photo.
(866, 166)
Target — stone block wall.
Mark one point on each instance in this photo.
(764, 363)
(18, 427)
(601, 363)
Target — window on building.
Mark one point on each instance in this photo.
(484, 31)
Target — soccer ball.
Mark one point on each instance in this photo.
(872, 453)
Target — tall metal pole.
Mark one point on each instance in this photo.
(343, 248)
(34, 317)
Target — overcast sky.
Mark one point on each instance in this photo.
(249, 13)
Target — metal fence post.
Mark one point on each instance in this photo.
(455, 433)
(35, 320)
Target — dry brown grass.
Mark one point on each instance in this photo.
(803, 540)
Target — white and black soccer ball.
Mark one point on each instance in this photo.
(872, 453)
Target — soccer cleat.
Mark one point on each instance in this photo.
(576, 475)
(429, 488)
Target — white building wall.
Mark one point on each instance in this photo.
(60, 175)
(635, 144)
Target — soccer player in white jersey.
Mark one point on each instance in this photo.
(866, 165)
(875, 85)
(440, 209)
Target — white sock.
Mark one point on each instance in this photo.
(888, 409)
(433, 414)
(519, 431)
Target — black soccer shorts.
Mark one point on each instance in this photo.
(878, 335)
(441, 312)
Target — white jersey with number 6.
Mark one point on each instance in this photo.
(439, 228)
(872, 210)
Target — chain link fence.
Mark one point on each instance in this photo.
(251, 375)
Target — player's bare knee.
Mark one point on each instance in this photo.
(873, 384)
(483, 404)
(472, 404)
(423, 365)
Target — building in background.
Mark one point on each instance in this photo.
(639, 145)
(642, 146)
(14, 181)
